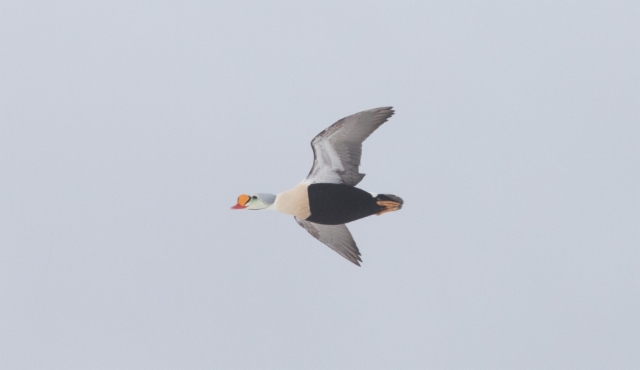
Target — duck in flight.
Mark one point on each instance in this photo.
(328, 199)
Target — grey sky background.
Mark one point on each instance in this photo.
(128, 129)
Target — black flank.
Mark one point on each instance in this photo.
(335, 204)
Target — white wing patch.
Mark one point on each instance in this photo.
(338, 148)
(329, 163)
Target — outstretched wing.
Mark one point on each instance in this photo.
(337, 150)
(337, 237)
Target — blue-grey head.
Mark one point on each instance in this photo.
(255, 202)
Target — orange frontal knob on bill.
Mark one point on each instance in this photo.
(242, 202)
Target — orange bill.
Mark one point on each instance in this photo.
(242, 201)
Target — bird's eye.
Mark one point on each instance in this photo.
(254, 197)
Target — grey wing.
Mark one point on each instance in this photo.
(337, 150)
(337, 237)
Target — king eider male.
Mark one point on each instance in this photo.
(327, 199)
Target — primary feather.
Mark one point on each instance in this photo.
(337, 150)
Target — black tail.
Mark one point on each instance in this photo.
(389, 203)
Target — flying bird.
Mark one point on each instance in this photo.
(327, 198)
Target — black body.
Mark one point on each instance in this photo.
(335, 204)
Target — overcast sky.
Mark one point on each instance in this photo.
(128, 129)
